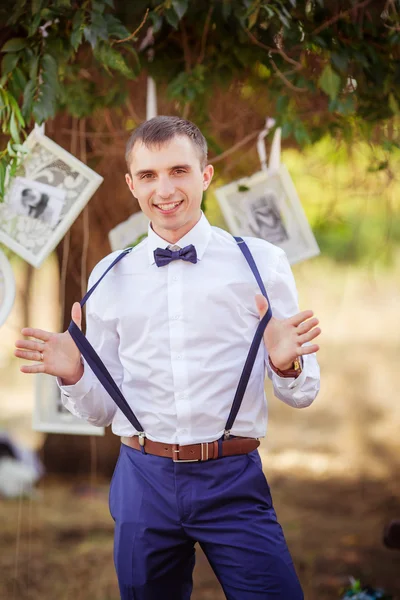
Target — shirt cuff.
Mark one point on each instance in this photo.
(289, 383)
(81, 387)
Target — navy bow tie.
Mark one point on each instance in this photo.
(163, 256)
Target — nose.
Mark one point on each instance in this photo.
(165, 188)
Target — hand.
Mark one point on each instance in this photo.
(60, 355)
(284, 338)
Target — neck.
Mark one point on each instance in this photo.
(174, 235)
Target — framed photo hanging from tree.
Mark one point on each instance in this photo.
(266, 205)
(50, 189)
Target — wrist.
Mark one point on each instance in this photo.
(73, 379)
(292, 369)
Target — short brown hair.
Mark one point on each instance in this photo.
(159, 130)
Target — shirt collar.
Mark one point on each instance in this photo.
(199, 236)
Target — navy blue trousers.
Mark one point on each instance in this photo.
(161, 509)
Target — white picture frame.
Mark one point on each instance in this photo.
(129, 232)
(50, 416)
(266, 205)
(50, 189)
(7, 288)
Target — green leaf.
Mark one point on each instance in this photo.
(3, 170)
(33, 67)
(27, 103)
(180, 7)
(90, 36)
(14, 130)
(34, 25)
(36, 6)
(19, 78)
(9, 62)
(157, 21)
(340, 61)
(14, 45)
(44, 107)
(115, 28)
(98, 26)
(172, 18)
(77, 29)
(49, 70)
(112, 58)
(329, 82)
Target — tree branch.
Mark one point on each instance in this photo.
(204, 36)
(342, 14)
(136, 30)
(286, 81)
(274, 50)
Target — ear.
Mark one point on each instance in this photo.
(207, 176)
(129, 182)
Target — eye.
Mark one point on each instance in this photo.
(146, 176)
(180, 171)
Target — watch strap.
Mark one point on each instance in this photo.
(294, 371)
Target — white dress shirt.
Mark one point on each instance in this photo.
(175, 339)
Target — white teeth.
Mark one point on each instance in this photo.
(168, 206)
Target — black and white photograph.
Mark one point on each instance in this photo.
(49, 191)
(49, 414)
(266, 205)
(7, 288)
(37, 200)
(129, 232)
(265, 219)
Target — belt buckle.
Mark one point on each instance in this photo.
(188, 460)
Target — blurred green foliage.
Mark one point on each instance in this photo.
(327, 67)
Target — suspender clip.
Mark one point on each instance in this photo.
(141, 437)
(227, 434)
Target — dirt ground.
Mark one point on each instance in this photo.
(333, 468)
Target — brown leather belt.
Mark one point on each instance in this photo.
(194, 452)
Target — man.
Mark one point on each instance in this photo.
(173, 327)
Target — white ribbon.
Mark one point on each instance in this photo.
(151, 100)
(262, 153)
(40, 129)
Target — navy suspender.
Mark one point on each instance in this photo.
(105, 378)
(97, 365)
(251, 356)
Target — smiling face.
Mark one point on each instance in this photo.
(168, 182)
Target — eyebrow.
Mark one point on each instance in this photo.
(143, 171)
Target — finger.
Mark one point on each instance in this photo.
(37, 368)
(308, 349)
(39, 334)
(262, 304)
(310, 335)
(300, 317)
(76, 314)
(307, 325)
(29, 345)
(28, 355)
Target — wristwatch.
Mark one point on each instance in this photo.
(295, 371)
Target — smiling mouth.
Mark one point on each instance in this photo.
(165, 208)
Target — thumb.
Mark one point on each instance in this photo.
(262, 304)
(76, 314)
